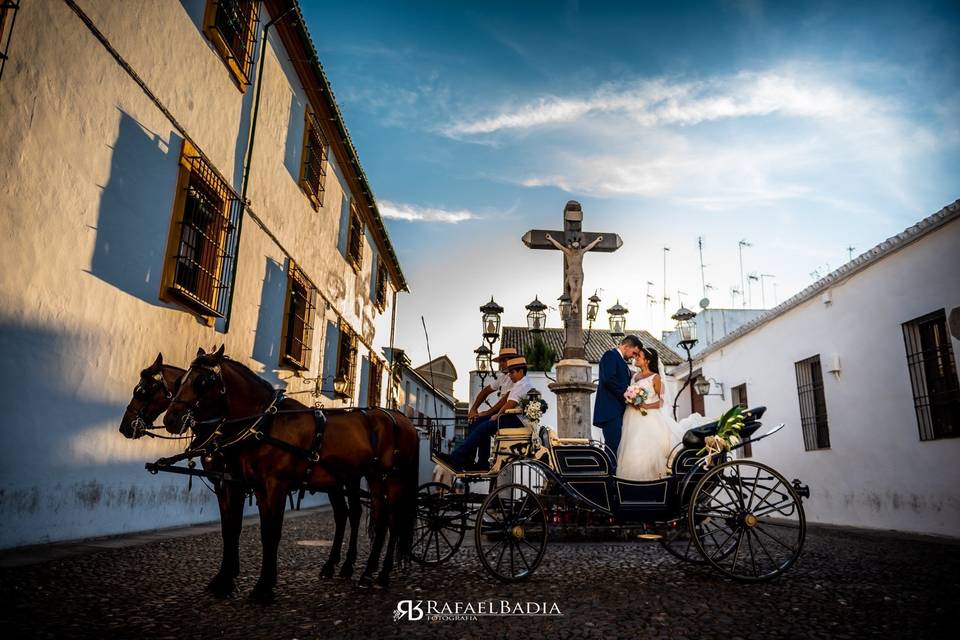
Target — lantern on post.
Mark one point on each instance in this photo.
(484, 361)
(593, 307)
(536, 316)
(564, 306)
(491, 321)
(618, 320)
(340, 387)
(687, 331)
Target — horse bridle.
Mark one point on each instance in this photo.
(188, 421)
(139, 423)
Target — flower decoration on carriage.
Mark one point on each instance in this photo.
(726, 437)
(636, 396)
(533, 408)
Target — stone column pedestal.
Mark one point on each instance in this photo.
(573, 388)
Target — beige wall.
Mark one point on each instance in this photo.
(88, 166)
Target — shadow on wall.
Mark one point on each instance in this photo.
(135, 210)
(266, 340)
(294, 143)
(45, 377)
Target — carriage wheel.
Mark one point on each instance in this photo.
(678, 543)
(749, 522)
(441, 524)
(511, 532)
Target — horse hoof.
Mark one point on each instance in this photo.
(221, 586)
(346, 571)
(327, 571)
(262, 595)
(365, 582)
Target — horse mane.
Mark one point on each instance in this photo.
(247, 374)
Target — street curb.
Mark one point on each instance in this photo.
(41, 553)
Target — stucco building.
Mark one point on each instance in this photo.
(173, 175)
(861, 367)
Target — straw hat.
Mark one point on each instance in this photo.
(505, 354)
(516, 363)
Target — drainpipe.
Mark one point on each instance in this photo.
(245, 183)
(393, 327)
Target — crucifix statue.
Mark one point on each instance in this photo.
(573, 243)
(574, 382)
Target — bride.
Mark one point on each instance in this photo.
(647, 439)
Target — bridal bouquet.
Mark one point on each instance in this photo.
(636, 396)
(533, 409)
(727, 435)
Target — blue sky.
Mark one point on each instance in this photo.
(804, 128)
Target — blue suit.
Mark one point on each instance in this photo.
(609, 406)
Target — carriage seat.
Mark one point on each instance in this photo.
(693, 438)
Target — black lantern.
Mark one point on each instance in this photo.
(702, 386)
(593, 308)
(534, 395)
(564, 306)
(536, 316)
(491, 320)
(686, 328)
(484, 360)
(618, 320)
(340, 387)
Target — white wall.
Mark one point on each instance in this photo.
(88, 166)
(877, 473)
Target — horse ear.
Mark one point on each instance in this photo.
(201, 352)
(158, 362)
(219, 353)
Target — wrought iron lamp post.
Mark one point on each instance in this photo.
(618, 321)
(536, 316)
(687, 330)
(484, 362)
(491, 321)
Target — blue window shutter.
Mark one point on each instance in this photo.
(329, 365)
(364, 381)
(344, 224)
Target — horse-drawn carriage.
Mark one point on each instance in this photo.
(739, 516)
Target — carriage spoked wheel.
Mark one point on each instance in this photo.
(748, 521)
(441, 524)
(511, 532)
(677, 541)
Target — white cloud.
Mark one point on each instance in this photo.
(671, 101)
(414, 213)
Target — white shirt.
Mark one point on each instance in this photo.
(501, 385)
(520, 389)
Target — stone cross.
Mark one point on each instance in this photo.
(573, 242)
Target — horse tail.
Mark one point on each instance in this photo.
(407, 505)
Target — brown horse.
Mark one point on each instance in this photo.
(267, 440)
(152, 396)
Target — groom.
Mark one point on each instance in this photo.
(614, 380)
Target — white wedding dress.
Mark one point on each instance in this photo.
(647, 440)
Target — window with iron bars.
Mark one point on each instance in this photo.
(355, 240)
(313, 168)
(8, 16)
(813, 405)
(298, 325)
(376, 379)
(231, 25)
(933, 376)
(203, 237)
(347, 358)
(381, 289)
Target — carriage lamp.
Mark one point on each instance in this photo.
(536, 316)
(618, 320)
(533, 395)
(564, 306)
(491, 320)
(686, 328)
(484, 361)
(593, 307)
(340, 386)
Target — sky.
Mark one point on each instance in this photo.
(803, 128)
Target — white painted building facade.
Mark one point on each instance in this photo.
(95, 160)
(877, 461)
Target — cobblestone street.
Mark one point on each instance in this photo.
(846, 585)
